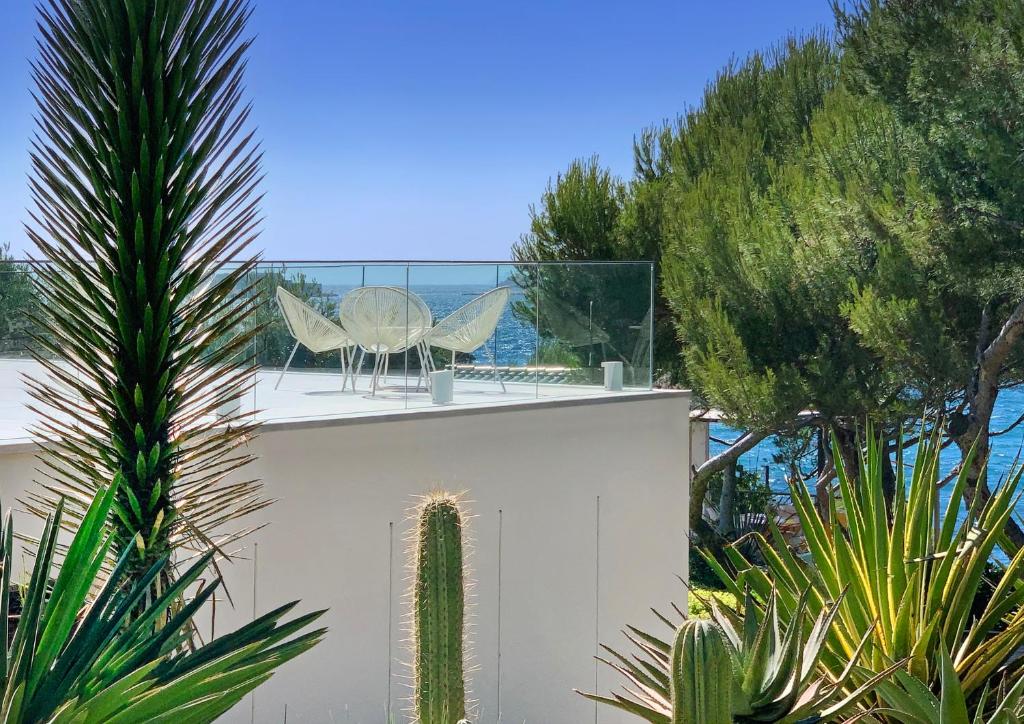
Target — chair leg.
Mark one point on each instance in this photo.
(352, 367)
(344, 369)
(424, 352)
(287, 365)
(419, 375)
(378, 366)
(358, 371)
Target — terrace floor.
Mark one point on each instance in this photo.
(316, 395)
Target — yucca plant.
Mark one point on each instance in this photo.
(739, 666)
(76, 658)
(144, 185)
(912, 574)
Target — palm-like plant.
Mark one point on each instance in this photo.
(144, 183)
(912, 575)
(72, 659)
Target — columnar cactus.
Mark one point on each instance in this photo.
(701, 675)
(438, 611)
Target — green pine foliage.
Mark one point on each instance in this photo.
(755, 291)
(948, 308)
(587, 214)
(17, 304)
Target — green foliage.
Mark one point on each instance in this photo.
(701, 673)
(587, 214)
(145, 191)
(751, 496)
(439, 601)
(968, 132)
(947, 223)
(754, 281)
(274, 342)
(764, 667)
(699, 599)
(702, 576)
(17, 304)
(554, 352)
(72, 658)
(911, 579)
(577, 218)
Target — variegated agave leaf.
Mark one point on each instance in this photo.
(911, 573)
(145, 188)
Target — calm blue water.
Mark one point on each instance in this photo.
(1005, 448)
(517, 340)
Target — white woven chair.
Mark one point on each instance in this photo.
(315, 332)
(385, 321)
(470, 326)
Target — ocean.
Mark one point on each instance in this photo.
(1006, 449)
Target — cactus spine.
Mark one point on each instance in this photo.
(438, 611)
(701, 675)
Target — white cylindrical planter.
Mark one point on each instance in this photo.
(612, 376)
(442, 386)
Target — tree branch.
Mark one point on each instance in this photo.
(1009, 428)
(1000, 347)
(701, 476)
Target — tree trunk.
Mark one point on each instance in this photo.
(849, 450)
(972, 429)
(888, 476)
(725, 501)
(701, 476)
(826, 470)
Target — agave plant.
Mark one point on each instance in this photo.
(144, 181)
(75, 659)
(912, 575)
(914, 703)
(770, 673)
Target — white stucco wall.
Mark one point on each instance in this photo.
(700, 441)
(590, 498)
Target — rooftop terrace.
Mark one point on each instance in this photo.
(553, 327)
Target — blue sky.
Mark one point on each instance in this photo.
(424, 130)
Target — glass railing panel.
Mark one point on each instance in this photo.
(301, 370)
(635, 327)
(591, 315)
(470, 304)
(518, 337)
(556, 326)
(17, 306)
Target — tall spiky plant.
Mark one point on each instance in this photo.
(144, 182)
